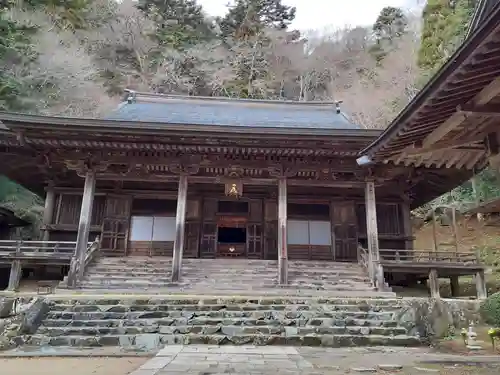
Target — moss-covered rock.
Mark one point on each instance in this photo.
(490, 310)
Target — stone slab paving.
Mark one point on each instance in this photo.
(253, 360)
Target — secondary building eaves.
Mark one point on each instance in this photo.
(436, 88)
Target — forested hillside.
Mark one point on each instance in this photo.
(75, 57)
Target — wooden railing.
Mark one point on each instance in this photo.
(364, 261)
(428, 256)
(12, 247)
(75, 271)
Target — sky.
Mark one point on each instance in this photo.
(324, 14)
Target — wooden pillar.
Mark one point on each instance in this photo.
(15, 275)
(282, 233)
(481, 285)
(407, 227)
(434, 283)
(82, 238)
(48, 211)
(180, 222)
(454, 286)
(375, 269)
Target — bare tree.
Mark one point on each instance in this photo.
(123, 47)
(63, 77)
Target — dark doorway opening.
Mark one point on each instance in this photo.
(232, 235)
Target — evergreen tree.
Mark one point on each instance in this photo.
(445, 24)
(179, 23)
(247, 18)
(14, 51)
(390, 25)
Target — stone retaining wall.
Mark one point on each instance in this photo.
(433, 319)
(20, 317)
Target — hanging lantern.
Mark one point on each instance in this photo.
(234, 189)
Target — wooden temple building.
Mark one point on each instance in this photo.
(189, 177)
(192, 177)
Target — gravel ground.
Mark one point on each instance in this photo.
(69, 366)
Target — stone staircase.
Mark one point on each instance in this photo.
(150, 323)
(227, 277)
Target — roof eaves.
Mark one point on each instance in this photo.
(433, 83)
(113, 126)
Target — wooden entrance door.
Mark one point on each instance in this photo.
(345, 230)
(255, 244)
(115, 225)
(208, 245)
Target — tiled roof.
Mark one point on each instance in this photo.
(231, 112)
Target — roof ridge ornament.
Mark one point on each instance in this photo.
(337, 106)
(131, 96)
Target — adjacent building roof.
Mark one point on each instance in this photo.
(9, 219)
(441, 110)
(174, 109)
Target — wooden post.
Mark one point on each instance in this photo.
(180, 222)
(15, 275)
(454, 286)
(481, 285)
(376, 271)
(15, 270)
(48, 211)
(282, 233)
(407, 227)
(434, 283)
(82, 238)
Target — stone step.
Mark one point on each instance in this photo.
(195, 291)
(217, 265)
(331, 275)
(215, 329)
(322, 317)
(154, 341)
(140, 272)
(232, 283)
(195, 302)
(192, 308)
(199, 321)
(138, 284)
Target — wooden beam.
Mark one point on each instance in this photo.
(460, 146)
(484, 97)
(82, 238)
(492, 110)
(245, 181)
(488, 93)
(442, 130)
(282, 235)
(180, 222)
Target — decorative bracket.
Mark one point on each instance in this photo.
(280, 171)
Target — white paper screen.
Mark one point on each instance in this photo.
(320, 233)
(141, 228)
(164, 228)
(298, 232)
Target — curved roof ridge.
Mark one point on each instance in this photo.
(138, 95)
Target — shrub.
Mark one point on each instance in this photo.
(490, 310)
